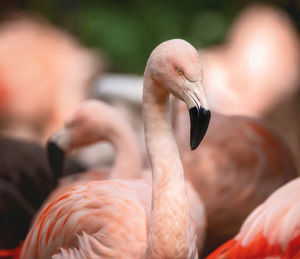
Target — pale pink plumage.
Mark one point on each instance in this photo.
(111, 215)
(107, 219)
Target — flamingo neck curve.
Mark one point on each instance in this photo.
(128, 159)
(172, 233)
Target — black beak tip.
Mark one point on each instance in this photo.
(194, 145)
(56, 158)
(200, 118)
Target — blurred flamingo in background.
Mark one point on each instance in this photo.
(285, 118)
(44, 75)
(272, 230)
(257, 66)
(124, 92)
(109, 218)
(241, 162)
(94, 121)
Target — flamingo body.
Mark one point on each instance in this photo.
(93, 213)
(272, 230)
(239, 150)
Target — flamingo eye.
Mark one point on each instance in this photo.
(179, 71)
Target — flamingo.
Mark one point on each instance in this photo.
(107, 218)
(92, 122)
(241, 162)
(272, 230)
(96, 121)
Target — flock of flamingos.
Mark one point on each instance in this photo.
(161, 210)
(210, 185)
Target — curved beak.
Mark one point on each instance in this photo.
(56, 148)
(199, 113)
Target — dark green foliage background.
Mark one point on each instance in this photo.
(127, 30)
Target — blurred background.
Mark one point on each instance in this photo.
(127, 30)
(54, 54)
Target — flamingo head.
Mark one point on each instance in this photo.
(93, 121)
(175, 65)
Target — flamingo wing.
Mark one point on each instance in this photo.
(271, 230)
(107, 216)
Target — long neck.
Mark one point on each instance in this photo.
(128, 157)
(171, 232)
